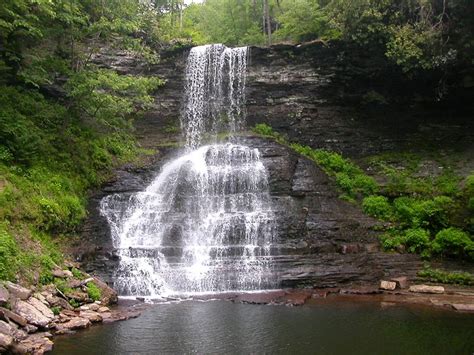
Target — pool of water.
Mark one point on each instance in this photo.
(220, 327)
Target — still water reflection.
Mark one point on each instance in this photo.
(220, 327)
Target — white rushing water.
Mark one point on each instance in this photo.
(215, 92)
(205, 224)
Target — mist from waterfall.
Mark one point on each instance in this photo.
(205, 224)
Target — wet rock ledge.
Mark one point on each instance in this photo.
(30, 317)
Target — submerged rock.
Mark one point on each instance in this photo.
(463, 307)
(75, 323)
(426, 289)
(94, 317)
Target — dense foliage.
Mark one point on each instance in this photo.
(63, 120)
(414, 34)
(431, 216)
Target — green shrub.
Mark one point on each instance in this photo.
(469, 186)
(377, 206)
(349, 177)
(62, 285)
(435, 275)
(365, 184)
(77, 273)
(432, 213)
(56, 310)
(74, 303)
(9, 253)
(93, 291)
(391, 240)
(453, 242)
(416, 240)
(263, 129)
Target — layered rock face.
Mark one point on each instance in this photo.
(321, 240)
(325, 96)
(336, 98)
(309, 94)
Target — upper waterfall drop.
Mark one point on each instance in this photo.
(214, 93)
(205, 223)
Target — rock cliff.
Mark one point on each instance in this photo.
(314, 97)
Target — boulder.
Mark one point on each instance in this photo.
(31, 328)
(463, 307)
(19, 335)
(21, 321)
(41, 298)
(108, 295)
(55, 301)
(103, 309)
(402, 281)
(4, 295)
(74, 283)
(426, 289)
(5, 328)
(33, 315)
(106, 316)
(62, 274)
(349, 248)
(387, 285)
(37, 344)
(18, 291)
(94, 307)
(5, 342)
(68, 313)
(94, 317)
(78, 296)
(40, 306)
(75, 323)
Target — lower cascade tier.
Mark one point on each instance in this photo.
(205, 224)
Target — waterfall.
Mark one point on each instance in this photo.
(215, 92)
(205, 223)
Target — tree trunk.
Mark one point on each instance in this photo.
(267, 23)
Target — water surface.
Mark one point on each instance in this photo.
(220, 327)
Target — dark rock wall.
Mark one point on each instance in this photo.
(319, 96)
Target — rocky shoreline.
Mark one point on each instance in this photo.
(453, 298)
(30, 317)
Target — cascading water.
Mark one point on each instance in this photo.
(205, 224)
(214, 93)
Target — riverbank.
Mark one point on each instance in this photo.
(31, 319)
(459, 299)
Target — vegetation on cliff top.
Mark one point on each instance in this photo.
(432, 216)
(413, 34)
